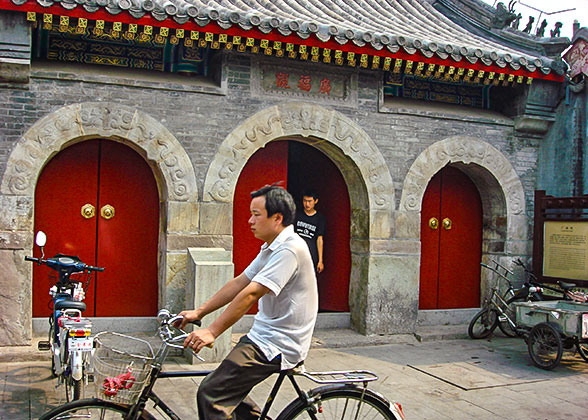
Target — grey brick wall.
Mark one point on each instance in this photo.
(200, 116)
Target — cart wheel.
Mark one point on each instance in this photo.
(583, 350)
(545, 346)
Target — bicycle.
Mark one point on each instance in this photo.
(499, 310)
(126, 381)
(69, 333)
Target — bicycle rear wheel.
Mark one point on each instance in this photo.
(340, 402)
(90, 409)
(483, 323)
(545, 346)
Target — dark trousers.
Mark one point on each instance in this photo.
(223, 393)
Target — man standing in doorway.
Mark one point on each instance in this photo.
(282, 280)
(310, 225)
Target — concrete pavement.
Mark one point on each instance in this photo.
(443, 376)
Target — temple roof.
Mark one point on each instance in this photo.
(395, 28)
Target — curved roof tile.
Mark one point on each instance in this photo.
(412, 24)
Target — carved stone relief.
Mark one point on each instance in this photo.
(299, 119)
(93, 120)
(466, 150)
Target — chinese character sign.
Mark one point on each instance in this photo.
(282, 80)
(304, 83)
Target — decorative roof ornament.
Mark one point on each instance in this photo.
(503, 17)
(556, 31)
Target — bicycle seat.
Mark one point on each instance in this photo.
(566, 286)
(70, 304)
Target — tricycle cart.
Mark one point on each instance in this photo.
(550, 327)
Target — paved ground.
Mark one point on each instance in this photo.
(437, 378)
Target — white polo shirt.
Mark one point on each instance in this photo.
(286, 317)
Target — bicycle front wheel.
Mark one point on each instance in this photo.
(73, 389)
(510, 312)
(339, 402)
(91, 409)
(483, 323)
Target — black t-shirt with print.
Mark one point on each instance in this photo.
(309, 228)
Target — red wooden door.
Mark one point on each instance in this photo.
(310, 168)
(101, 172)
(299, 166)
(266, 166)
(450, 255)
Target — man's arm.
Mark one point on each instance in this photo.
(223, 296)
(237, 308)
(319, 246)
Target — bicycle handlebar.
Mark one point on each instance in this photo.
(56, 263)
(172, 335)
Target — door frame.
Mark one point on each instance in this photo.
(504, 220)
(172, 169)
(371, 193)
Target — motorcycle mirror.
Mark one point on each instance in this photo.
(41, 238)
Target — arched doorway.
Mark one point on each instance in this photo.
(451, 242)
(99, 173)
(300, 167)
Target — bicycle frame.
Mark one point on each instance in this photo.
(496, 300)
(147, 394)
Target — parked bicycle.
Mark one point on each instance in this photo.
(499, 309)
(69, 333)
(126, 370)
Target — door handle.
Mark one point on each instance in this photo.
(433, 223)
(88, 211)
(107, 212)
(447, 223)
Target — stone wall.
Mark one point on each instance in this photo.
(563, 159)
(374, 142)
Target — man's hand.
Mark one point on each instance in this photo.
(189, 316)
(320, 267)
(199, 339)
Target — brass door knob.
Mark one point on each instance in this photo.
(433, 223)
(447, 223)
(107, 212)
(88, 211)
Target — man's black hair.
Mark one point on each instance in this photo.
(277, 200)
(310, 193)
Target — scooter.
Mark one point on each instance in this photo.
(69, 332)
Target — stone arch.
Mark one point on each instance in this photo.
(173, 171)
(106, 120)
(362, 165)
(505, 223)
(317, 125)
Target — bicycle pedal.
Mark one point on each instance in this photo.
(43, 346)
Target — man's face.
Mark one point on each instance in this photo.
(309, 203)
(263, 227)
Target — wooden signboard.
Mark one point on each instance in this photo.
(560, 247)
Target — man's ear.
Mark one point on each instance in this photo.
(279, 217)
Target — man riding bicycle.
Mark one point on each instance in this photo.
(282, 279)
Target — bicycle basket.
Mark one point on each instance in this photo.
(121, 366)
